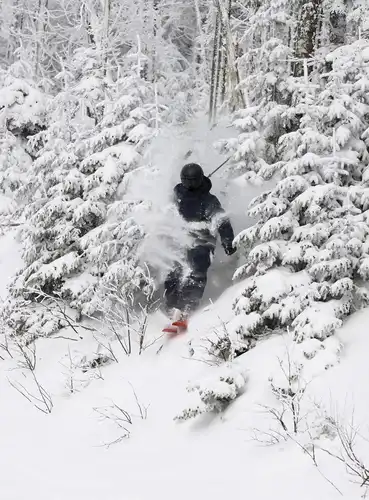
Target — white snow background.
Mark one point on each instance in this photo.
(70, 454)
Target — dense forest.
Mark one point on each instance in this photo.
(87, 85)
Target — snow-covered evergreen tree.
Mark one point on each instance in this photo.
(22, 114)
(269, 91)
(313, 222)
(80, 238)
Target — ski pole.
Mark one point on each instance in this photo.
(220, 166)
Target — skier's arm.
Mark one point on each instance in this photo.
(224, 227)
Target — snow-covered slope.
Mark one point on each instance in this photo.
(70, 454)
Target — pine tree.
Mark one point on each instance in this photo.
(261, 123)
(22, 114)
(313, 222)
(81, 236)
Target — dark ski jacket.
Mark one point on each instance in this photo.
(200, 206)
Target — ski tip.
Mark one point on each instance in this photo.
(170, 329)
(181, 324)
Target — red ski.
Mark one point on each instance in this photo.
(176, 327)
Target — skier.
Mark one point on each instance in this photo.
(205, 216)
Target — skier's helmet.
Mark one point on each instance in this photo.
(192, 176)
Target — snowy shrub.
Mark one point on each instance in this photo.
(289, 387)
(28, 384)
(219, 347)
(222, 344)
(80, 370)
(30, 320)
(302, 362)
(214, 393)
(96, 362)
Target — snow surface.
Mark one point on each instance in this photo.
(63, 455)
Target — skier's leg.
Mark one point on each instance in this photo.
(194, 284)
(172, 286)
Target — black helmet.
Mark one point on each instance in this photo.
(192, 176)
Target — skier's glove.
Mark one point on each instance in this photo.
(230, 249)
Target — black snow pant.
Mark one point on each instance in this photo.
(184, 292)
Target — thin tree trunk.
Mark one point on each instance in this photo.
(238, 78)
(16, 28)
(40, 25)
(214, 66)
(90, 37)
(237, 98)
(201, 42)
(106, 24)
(307, 29)
(338, 25)
(219, 58)
(155, 16)
(139, 57)
(225, 55)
